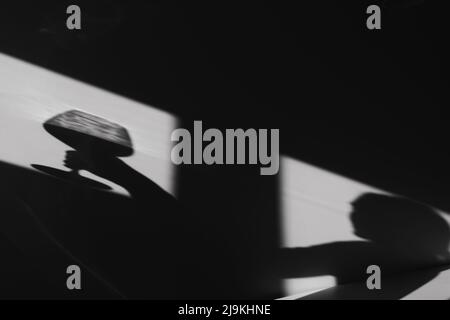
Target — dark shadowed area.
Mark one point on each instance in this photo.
(367, 105)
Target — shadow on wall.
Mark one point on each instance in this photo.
(402, 236)
(152, 246)
(126, 247)
(217, 241)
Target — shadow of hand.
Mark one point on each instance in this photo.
(105, 166)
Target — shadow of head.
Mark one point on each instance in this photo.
(400, 224)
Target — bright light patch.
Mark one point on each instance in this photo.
(316, 205)
(30, 95)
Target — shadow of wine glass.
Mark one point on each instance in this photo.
(87, 134)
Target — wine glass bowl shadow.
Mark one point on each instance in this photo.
(88, 135)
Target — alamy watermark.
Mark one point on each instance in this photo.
(374, 280)
(240, 146)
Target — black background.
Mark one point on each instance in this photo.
(368, 104)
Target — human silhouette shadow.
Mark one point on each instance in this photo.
(400, 235)
(126, 246)
(145, 239)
